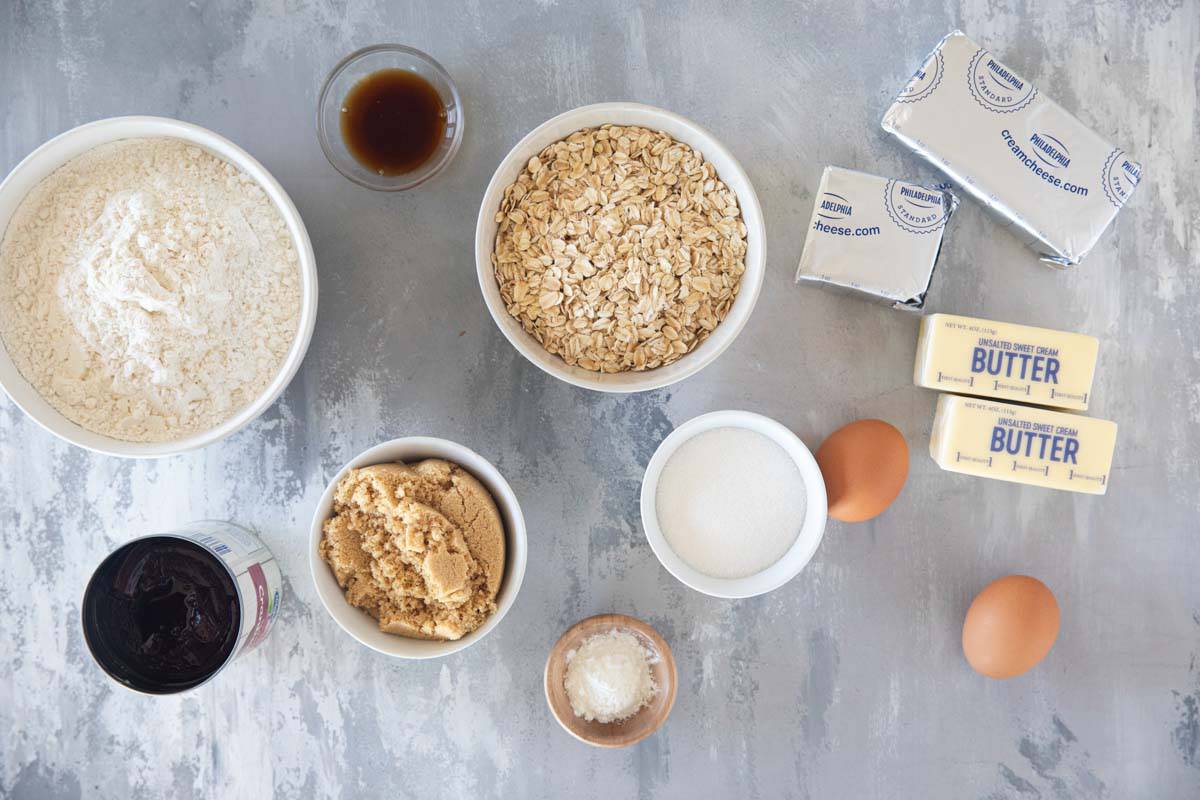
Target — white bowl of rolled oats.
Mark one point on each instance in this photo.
(620, 247)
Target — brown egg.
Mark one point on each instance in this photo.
(1010, 626)
(865, 465)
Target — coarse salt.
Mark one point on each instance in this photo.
(608, 678)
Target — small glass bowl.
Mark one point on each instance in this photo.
(358, 65)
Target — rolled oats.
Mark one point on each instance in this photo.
(619, 248)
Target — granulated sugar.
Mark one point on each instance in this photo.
(730, 502)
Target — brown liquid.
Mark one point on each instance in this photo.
(393, 121)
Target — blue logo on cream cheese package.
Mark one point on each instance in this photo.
(916, 209)
(1052, 152)
(1121, 176)
(924, 81)
(995, 86)
(834, 207)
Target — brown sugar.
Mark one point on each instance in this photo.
(419, 547)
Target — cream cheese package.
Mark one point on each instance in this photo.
(1005, 361)
(878, 236)
(1056, 183)
(1029, 445)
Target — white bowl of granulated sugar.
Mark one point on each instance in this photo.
(733, 504)
(158, 288)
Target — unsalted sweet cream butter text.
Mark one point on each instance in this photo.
(1029, 445)
(1006, 361)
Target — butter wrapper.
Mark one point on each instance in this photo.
(1048, 177)
(878, 236)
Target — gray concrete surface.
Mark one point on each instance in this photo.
(846, 683)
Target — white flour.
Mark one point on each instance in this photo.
(148, 290)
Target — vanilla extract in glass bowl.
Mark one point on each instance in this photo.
(392, 121)
(389, 118)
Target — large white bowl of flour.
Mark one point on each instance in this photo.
(254, 383)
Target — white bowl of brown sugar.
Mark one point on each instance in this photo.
(417, 547)
(620, 247)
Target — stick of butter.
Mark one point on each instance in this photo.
(1005, 361)
(1023, 444)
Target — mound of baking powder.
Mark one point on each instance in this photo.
(148, 290)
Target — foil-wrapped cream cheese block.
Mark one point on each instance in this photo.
(1056, 183)
(875, 235)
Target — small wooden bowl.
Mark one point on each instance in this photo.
(627, 731)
